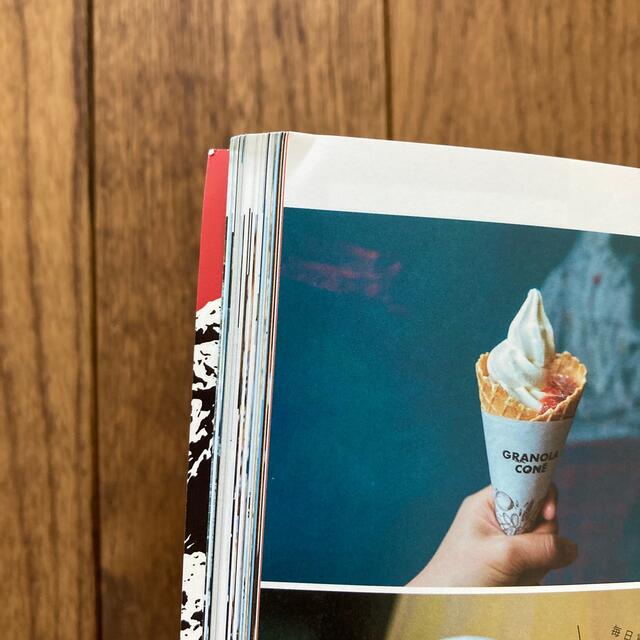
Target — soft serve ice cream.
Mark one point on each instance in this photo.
(520, 363)
(523, 377)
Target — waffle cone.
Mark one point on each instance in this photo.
(495, 400)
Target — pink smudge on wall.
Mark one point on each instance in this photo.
(357, 270)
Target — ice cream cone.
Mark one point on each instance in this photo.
(529, 395)
(523, 446)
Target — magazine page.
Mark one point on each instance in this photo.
(455, 421)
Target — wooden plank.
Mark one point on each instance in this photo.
(47, 577)
(172, 79)
(556, 77)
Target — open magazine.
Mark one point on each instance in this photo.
(416, 395)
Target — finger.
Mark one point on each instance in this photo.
(550, 506)
(547, 526)
(481, 500)
(484, 495)
(541, 552)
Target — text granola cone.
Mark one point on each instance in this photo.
(529, 396)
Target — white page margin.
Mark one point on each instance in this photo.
(401, 178)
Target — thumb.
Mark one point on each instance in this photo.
(541, 551)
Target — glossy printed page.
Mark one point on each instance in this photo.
(301, 614)
(378, 464)
(456, 370)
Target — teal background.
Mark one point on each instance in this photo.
(376, 434)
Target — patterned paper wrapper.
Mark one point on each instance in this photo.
(522, 458)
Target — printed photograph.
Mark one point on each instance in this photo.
(455, 404)
(288, 614)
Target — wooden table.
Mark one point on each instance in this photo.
(107, 109)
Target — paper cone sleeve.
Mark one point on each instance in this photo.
(522, 457)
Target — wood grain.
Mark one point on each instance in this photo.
(47, 579)
(172, 79)
(557, 77)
